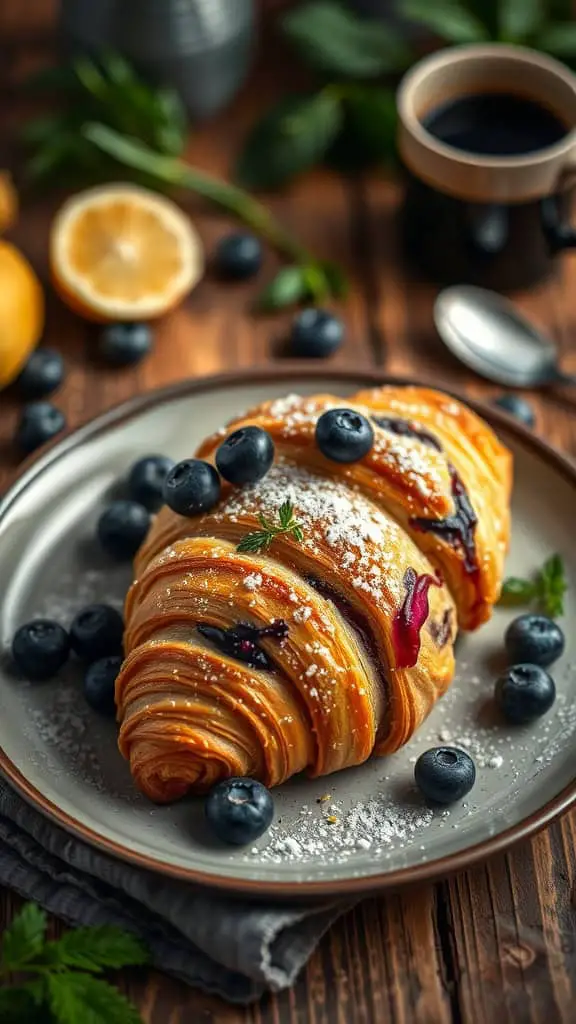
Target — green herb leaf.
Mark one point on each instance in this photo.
(519, 19)
(287, 288)
(76, 997)
(260, 540)
(332, 39)
(94, 949)
(368, 136)
(24, 939)
(448, 20)
(559, 40)
(551, 586)
(517, 591)
(291, 137)
(17, 1005)
(336, 279)
(286, 513)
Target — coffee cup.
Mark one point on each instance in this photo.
(487, 137)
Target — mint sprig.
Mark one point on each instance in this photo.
(59, 976)
(545, 590)
(260, 540)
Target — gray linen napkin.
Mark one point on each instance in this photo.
(236, 949)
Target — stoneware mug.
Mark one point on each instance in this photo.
(497, 221)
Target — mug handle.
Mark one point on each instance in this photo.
(560, 234)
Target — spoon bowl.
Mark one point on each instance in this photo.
(486, 332)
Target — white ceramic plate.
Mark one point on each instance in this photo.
(63, 758)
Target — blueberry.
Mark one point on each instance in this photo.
(40, 649)
(99, 685)
(122, 528)
(344, 435)
(239, 810)
(518, 407)
(146, 481)
(316, 333)
(524, 693)
(535, 639)
(245, 456)
(192, 487)
(125, 344)
(238, 257)
(39, 423)
(97, 632)
(445, 774)
(42, 374)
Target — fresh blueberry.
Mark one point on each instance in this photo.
(39, 423)
(40, 649)
(444, 774)
(97, 632)
(518, 407)
(316, 334)
(245, 456)
(238, 257)
(239, 810)
(535, 639)
(524, 693)
(99, 685)
(192, 487)
(147, 479)
(42, 374)
(343, 435)
(122, 528)
(126, 343)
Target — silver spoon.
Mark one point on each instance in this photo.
(487, 333)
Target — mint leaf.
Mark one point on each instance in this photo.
(370, 129)
(517, 591)
(24, 938)
(336, 279)
(559, 40)
(450, 21)
(551, 586)
(288, 287)
(286, 513)
(94, 949)
(77, 998)
(290, 138)
(334, 40)
(519, 19)
(17, 1005)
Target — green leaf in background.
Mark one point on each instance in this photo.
(24, 939)
(336, 279)
(334, 40)
(519, 19)
(287, 288)
(448, 20)
(551, 586)
(559, 40)
(77, 998)
(517, 591)
(368, 134)
(94, 949)
(291, 137)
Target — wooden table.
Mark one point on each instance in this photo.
(497, 942)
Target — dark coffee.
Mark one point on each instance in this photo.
(495, 124)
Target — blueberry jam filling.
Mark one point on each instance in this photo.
(458, 529)
(406, 429)
(241, 641)
(411, 616)
(441, 631)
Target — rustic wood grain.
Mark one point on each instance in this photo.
(498, 942)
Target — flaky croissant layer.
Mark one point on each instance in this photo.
(331, 645)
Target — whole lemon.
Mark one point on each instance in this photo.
(21, 312)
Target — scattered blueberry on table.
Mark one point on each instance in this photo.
(100, 683)
(122, 528)
(518, 407)
(344, 435)
(97, 632)
(238, 257)
(535, 639)
(245, 456)
(239, 810)
(524, 693)
(39, 423)
(125, 344)
(40, 649)
(192, 487)
(42, 374)
(146, 481)
(445, 774)
(315, 334)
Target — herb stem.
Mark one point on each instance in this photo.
(172, 171)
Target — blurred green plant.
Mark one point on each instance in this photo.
(109, 120)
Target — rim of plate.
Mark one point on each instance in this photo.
(429, 870)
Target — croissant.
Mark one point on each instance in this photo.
(334, 644)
